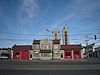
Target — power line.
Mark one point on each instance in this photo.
(24, 39)
(37, 34)
(16, 39)
(17, 33)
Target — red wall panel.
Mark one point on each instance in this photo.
(16, 57)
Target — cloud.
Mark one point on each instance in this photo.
(83, 10)
(30, 7)
(26, 14)
(27, 10)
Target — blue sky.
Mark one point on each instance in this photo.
(21, 21)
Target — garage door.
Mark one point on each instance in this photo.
(68, 54)
(24, 55)
(77, 54)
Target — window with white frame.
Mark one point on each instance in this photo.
(46, 46)
(49, 47)
(55, 46)
(36, 47)
(45, 54)
(17, 53)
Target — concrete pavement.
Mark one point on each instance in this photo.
(52, 62)
(50, 65)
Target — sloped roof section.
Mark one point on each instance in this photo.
(56, 41)
(4, 48)
(36, 41)
(22, 47)
(71, 47)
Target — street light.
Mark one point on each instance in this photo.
(95, 37)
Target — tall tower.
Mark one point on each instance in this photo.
(55, 34)
(65, 36)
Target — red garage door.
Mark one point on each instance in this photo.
(24, 55)
(68, 54)
(77, 54)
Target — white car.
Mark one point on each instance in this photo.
(3, 57)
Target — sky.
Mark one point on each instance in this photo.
(22, 21)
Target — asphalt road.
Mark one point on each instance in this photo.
(50, 72)
(48, 67)
(69, 67)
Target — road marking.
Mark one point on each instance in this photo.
(31, 69)
(56, 69)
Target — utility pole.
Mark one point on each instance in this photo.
(87, 40)
(87, 45)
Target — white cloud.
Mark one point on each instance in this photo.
(26, 13)
(27, 10)
(30, 7)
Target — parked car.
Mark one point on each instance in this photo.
(4, 56)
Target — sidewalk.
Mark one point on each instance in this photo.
(78, 60)
(52, 62)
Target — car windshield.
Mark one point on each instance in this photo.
(7, 55)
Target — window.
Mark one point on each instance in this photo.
(36, 46)
(76, 52)
(55, 46)
(67, 53)
(65, 35)
(42, 45)
(65, 38)
(17, 53)
(45, 47)
(31, 56)
(45, 54)
(49, 47)
(65, 42)
(65, 31)
(61, 55)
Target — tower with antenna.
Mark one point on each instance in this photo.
(65, 37)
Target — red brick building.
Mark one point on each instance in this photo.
(72, 51)
(49, 49)
(22, 52)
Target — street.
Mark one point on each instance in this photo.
(49, 72)
(47, 66)
(70, 67)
